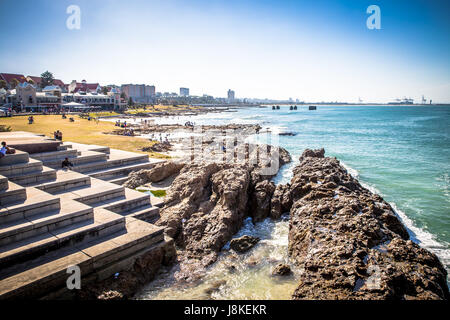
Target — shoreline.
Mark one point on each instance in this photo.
(422, 236)
(202, 289)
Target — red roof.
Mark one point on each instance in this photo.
(56, 82)
(86, 87)
(9, 76)
(37, 80)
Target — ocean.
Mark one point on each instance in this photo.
(399, 152)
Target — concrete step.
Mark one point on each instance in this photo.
(18, 169)
(36, 202)
(85, 157)
(62, 147)
(86, 147)
(119, 171)
(70, 212)
(30, 178)
(99, 191)
(145, 213)
(157, 201)
(12, 159)
(97, 259)
(54, 155)
(111, 163)
(104, 223)
(66, 180)
(120, 180)
(12, 193)
(3, 183)
(129, 201)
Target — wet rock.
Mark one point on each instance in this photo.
(208, 202)
(244, 243)
(308, 153)
(351, 243)
(281, 270)
(214, 287)
(287, 134)
(205, 206)
(252, 261)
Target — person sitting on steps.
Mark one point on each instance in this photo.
(66, 164)
(6, 150)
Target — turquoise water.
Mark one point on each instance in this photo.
(400, 152)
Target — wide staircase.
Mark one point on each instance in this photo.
(51, 219)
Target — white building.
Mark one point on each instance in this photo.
(139, 92)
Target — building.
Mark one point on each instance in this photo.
(38, 80)
(140, 93)
(25, 95)
(230, 95)
(106, 101)
(9, 77)
(83, 87)
(184, 92)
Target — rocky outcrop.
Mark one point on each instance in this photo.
(244, 243)
(281, 269)
(281, 201)
(158, 173)
(350, 242)
(204, 207)
(207, 203)
(158, 147)
(260, 200)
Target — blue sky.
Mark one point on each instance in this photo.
(312, 50)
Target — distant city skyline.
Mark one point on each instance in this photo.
(311, 51)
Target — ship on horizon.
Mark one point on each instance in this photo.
(402, 101)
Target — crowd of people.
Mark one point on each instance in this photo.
(129, 132)
(121, 124)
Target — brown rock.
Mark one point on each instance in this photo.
(244, 243)
(158, 173)
(281, 270)
(351, 243)
(208, 201)
(281, 201)
(260, 200)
